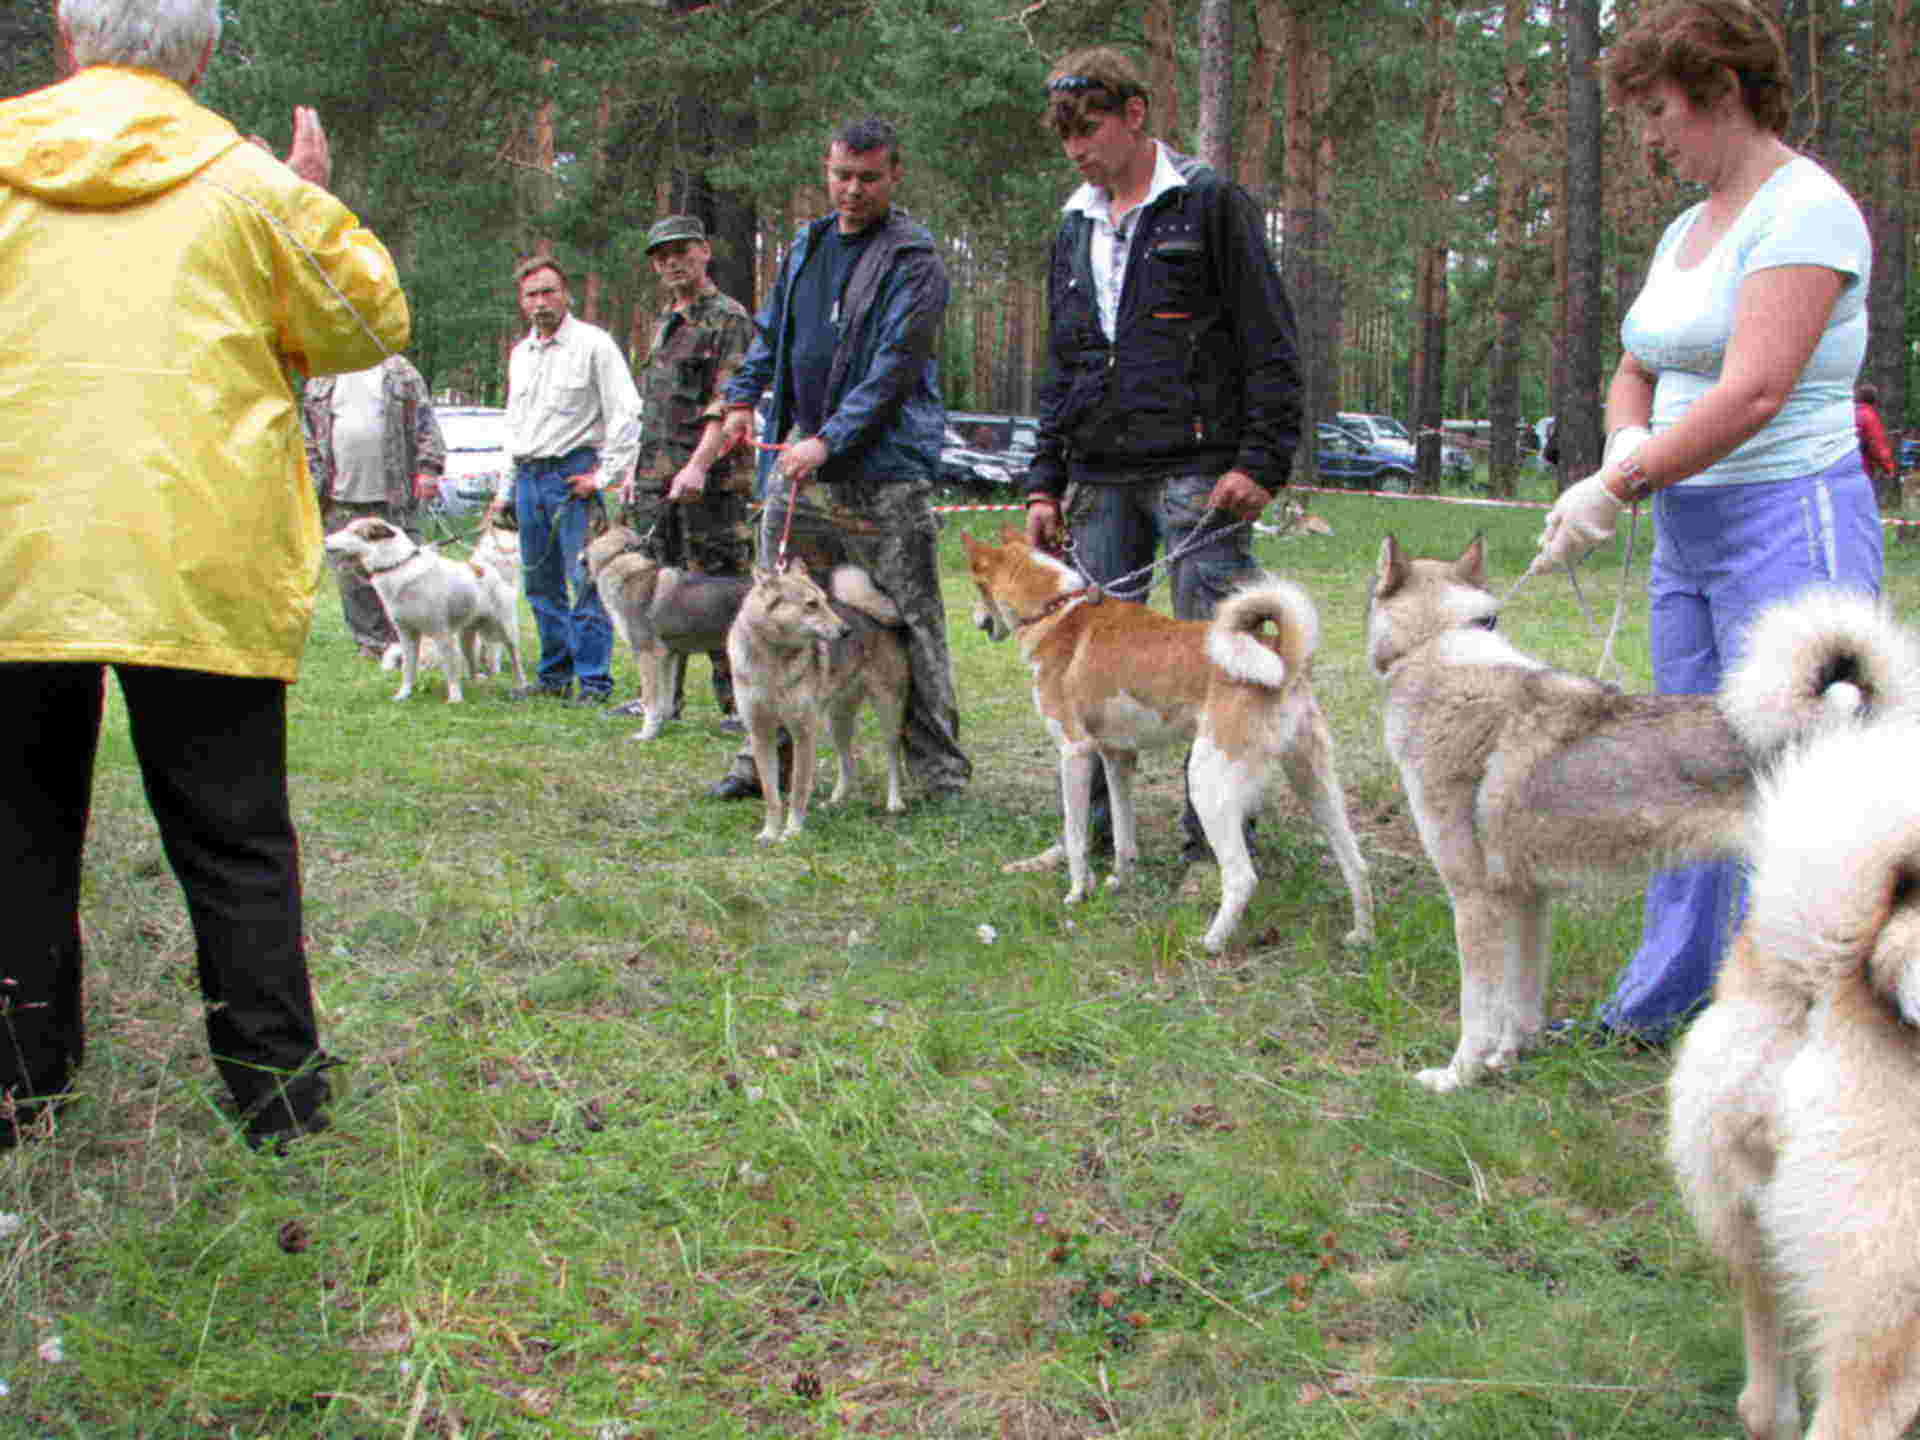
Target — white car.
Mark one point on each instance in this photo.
(476, 437)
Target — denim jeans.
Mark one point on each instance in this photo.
(576, 638)
(1721, 555)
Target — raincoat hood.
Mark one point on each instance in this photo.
(108, 136)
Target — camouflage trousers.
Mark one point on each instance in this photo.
(366, 617)
(891, 531)
(710, 536)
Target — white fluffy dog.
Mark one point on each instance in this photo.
(1795, 1100)
(457, 603)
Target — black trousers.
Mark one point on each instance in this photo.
(212, 751)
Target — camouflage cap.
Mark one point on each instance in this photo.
(675, 227)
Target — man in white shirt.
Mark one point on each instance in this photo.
(374, 448)
(573, 427)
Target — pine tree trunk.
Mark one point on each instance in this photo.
(1579, 405)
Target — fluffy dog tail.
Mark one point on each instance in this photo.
(1236, 647)
(1833, 894)
(1824, 657)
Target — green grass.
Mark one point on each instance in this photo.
(649, 1131)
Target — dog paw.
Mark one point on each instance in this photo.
(1358, 938)
(899, 807)
(1050, 858)
(403, 695)
(1443, 1081)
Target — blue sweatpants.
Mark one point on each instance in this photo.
(1721, 555)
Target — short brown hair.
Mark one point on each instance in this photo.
(1692, 43)
(1099, 81)
(534, 264)
(1867, 393)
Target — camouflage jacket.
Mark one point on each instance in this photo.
(692, 358)
(411, 442)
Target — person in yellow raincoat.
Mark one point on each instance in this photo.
(161, 281)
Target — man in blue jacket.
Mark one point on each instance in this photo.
(1172, 404)
(845, 350)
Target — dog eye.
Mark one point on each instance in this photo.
(1904, 883)
(1486, 622)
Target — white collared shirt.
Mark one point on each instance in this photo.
(569, 390)
(1111, 244)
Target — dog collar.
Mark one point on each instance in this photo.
(1092, 594)
(411, 555)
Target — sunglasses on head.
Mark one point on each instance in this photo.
(1072, 85)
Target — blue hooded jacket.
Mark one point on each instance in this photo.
(885, 418)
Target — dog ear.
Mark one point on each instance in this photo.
(1009, 535)
(761, 574)
(1472, 564)
(1392, 571)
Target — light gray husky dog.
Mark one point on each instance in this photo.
(1522, 777)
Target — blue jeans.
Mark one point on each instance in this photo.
(1722, 554)
(576, 638)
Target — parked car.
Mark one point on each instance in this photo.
(476, 437)
(987, 451)
(1344, 457)
(1908, 455)
(966, 468)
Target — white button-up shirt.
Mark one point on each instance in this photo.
(567, 390)
(1111, 243)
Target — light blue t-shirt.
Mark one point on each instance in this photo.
(1679, 327)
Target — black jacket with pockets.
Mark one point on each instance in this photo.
(1203, 375)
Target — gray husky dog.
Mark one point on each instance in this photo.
(1522, 777)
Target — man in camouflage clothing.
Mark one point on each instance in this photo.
(373, 448)
(845, 348)
(688, 497)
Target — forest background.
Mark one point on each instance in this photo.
(1459, 218)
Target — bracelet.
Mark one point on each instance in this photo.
(1639, 484)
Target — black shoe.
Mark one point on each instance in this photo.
(541, 692)
(593, 699)
(735, 787)
(634, 709)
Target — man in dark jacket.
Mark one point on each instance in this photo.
(845, 350)
(1172, 405)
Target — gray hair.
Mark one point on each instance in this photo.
(170, 36)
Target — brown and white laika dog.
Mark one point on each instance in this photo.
(1111, 677)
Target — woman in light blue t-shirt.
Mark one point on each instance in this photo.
(1732, 408)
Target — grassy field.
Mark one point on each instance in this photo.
(648, 1131)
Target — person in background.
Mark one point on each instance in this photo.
(689, 494)
(374, 447)
(1731, 411)
(573, 423)
(1875, 451)
(160, 520)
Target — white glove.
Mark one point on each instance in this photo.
(1582, 519)
(1623, 442)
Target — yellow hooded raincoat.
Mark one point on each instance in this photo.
(158, 277)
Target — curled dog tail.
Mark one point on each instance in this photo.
(1826, 656)
(1236, 647)
(852, 585)
(1835, 840)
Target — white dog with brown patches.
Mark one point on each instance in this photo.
(1111, 677)
(458, 604)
